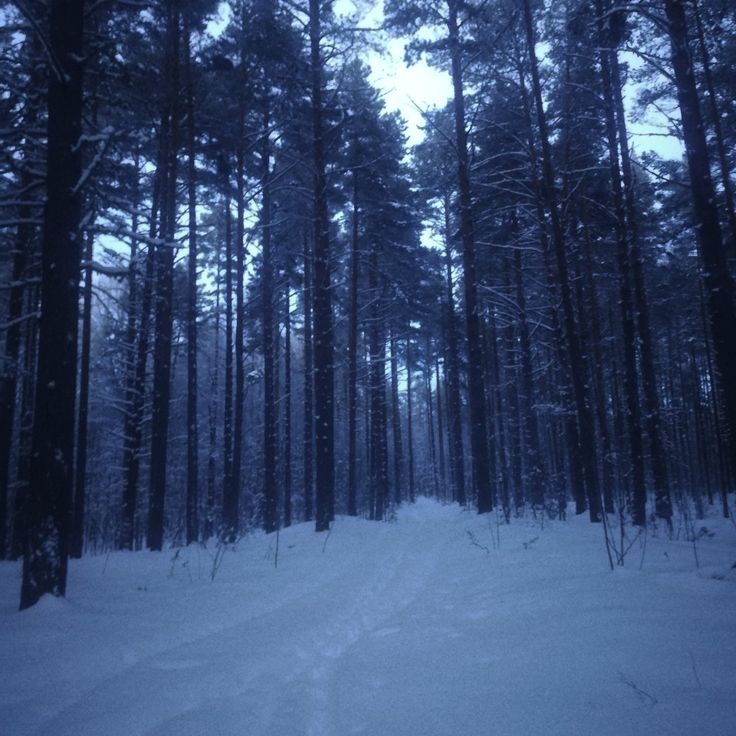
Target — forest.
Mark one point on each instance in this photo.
(235, 297)
(254, 323)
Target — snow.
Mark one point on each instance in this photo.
(438, 623)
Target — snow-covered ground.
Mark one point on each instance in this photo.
(423, 626)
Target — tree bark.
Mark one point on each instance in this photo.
(76, 545)
(410, 423)
(287, 408)
(51, 480)
(453, 373)
(192, 522)
(324, 389)
(353, 355)
(269, 508)
(229, 497)
(396, 421)
(308, 430)
(476, 388)
(164, 289)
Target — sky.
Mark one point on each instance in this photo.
(412, 90)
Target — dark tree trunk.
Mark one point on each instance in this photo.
(430, 419)
(324, 388)
(51, 480)
(76, 543)
(269, 510)
(476, 388)
(229, 502)
(396, 421)
(164, 290)
(454, 409)
(308, 431)
(232, 517)
(491, 391)
(440, 429)
(353, 355)
(209, 523)
(410, 423)
(287, 408)
(718, 283)
(192, 522)
(378, 459)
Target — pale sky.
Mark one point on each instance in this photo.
(413, 89)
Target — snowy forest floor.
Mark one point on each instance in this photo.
(423, 626)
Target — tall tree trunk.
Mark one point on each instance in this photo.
(430, 419)
(410, 422)
(287, 408)
(76, 543)
(440, 429)
(453, 373)
(51, 480)
(718, 283)
(269, 509)
(396, 420)
(192, 522)
(353, 355)
(476, 388)
(209, 523)
(378, 464)
(229, 502)
(232, 519)
(308, 431)
(164, 290)
(324, 389)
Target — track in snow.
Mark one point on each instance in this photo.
(386, 629)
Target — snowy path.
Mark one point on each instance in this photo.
(391, 629)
